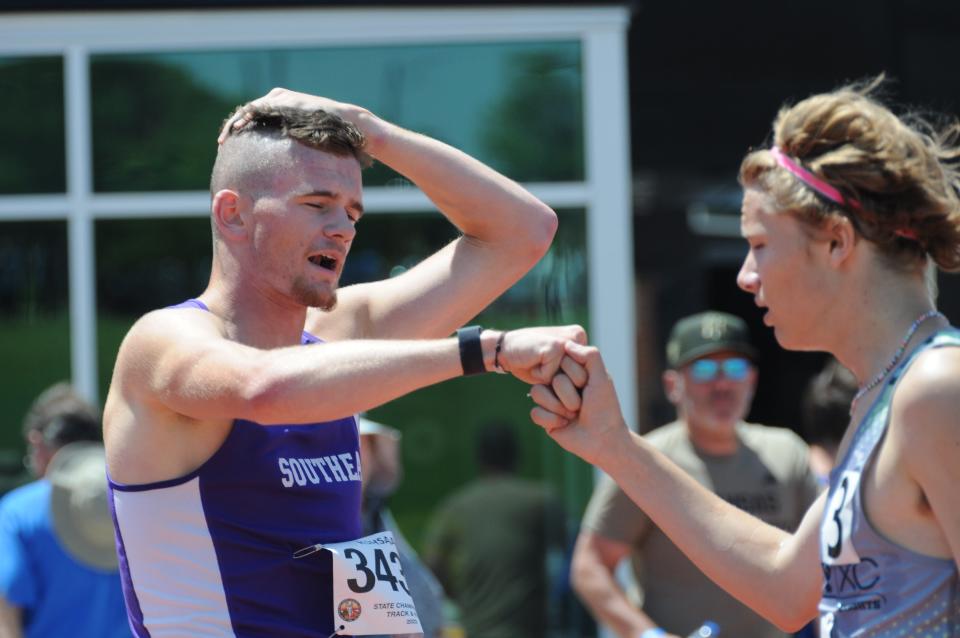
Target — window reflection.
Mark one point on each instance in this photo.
(154, 125)
(34, 326)
(554, 291)
(142, 265)
(150, 263)
(31, 125)
(145, 264)
(516, 106)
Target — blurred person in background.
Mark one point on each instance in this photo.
(826, 414)
(497, 544)
(382, 471)
(58, 561)
(764, 470)
(56, 417)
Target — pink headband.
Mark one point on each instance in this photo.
(812, 180)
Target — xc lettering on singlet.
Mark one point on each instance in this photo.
(334, 468)
(854, 578)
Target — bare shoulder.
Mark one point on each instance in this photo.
(155, 331)
(193, 321)
(146, 439)
(927, 402)
(932, 383)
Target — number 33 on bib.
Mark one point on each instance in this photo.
(370, 594)
(836, 547)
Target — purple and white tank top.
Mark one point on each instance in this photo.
(211, 553)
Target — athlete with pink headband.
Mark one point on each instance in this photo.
(843, 217)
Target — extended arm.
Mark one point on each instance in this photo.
(775, 573)
(506, 230)
(178, 359)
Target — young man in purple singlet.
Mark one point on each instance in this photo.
(230, 445)
(844, 216)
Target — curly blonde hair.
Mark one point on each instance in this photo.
(902, 171)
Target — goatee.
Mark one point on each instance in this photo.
(312, 297)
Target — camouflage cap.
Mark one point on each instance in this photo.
(706, 333)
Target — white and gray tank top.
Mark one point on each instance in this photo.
(873, 587)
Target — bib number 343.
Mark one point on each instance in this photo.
(379, 571)
(370, 594)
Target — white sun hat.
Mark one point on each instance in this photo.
(78, 505)
(366, 426)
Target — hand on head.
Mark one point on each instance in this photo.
(283, 98)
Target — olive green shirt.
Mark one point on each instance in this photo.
(768, 476)
(489, 546)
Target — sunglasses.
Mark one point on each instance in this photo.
(705, 370)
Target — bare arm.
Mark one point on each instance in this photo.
(11, 621)
(506, 230)
(773, 572)
(595, 559)
(179, 359)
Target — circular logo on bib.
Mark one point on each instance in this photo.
(349, 609)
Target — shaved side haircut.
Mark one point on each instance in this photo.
(250, 156)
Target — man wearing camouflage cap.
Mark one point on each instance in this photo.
(710, 380)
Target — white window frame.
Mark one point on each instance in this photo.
(604, 193)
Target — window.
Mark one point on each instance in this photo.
(107, 181)
(34, 324)
(31, 125)
(515, 106)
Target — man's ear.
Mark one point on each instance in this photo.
(227, 215)
(673, 386)
(842, 238)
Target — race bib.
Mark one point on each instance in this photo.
(370, 594)
(836, 547)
